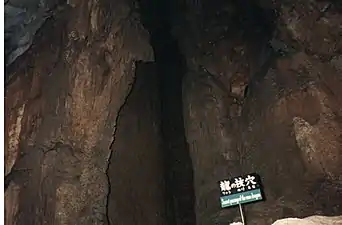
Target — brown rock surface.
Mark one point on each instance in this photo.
(286, 127)
(261, 93)
(136, 172)
(61, 106)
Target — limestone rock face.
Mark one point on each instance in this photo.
(136, 173)
(272, 107)
(61, 104)
(240, 86)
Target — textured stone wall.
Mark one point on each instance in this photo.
(265, 102)
(61, 106)
(136, 171)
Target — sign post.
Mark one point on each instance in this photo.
(240, 190)
(241, 214)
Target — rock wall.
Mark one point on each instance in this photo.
(265, 98)
(261, 93)
(62, 100)
(221, 61)
(292, 117)
(136, 175)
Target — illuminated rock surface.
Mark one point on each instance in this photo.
(130, 113)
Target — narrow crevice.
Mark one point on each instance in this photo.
(135, 173)
(156, 17)
(131, 87)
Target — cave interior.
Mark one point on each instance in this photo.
(150, 169)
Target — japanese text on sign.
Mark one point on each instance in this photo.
(239, 184)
